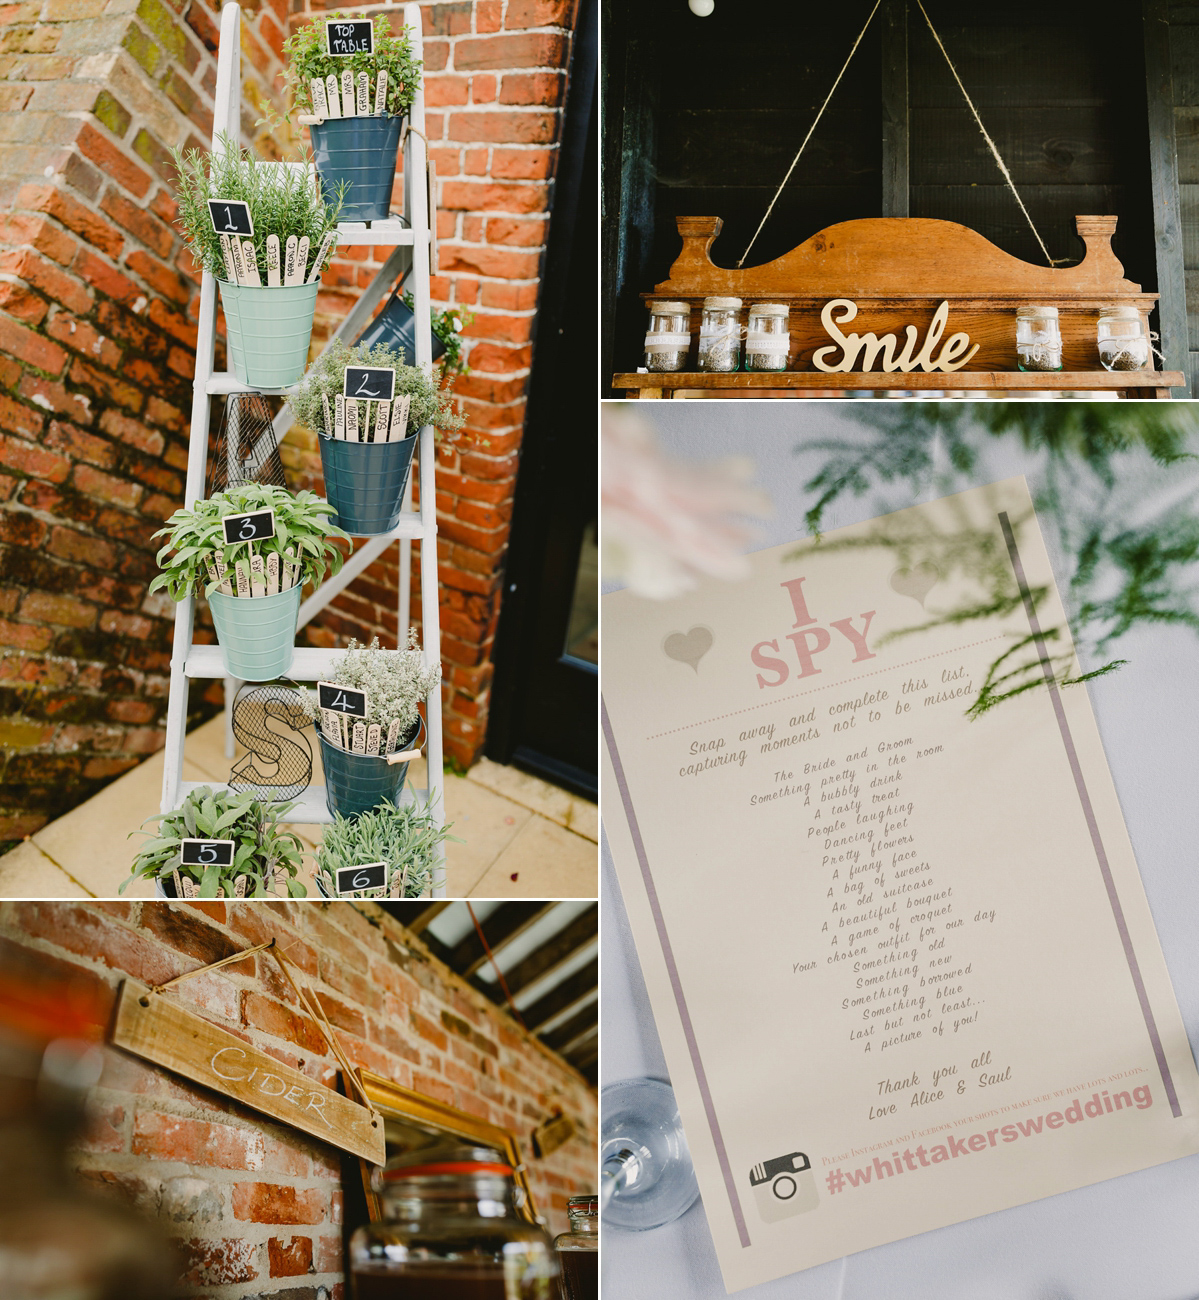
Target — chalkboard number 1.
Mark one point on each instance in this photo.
(231, 217)
(206, 853)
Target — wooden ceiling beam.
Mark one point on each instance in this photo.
(504, 924)
(570, 990)
(555, 952)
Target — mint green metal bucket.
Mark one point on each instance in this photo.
(257, 636)
(268, 331)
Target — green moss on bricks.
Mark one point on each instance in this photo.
(142, 48)
(113, 114)
(161, 22)
(154, 152)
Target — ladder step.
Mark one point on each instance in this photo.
(310, 809)
(390, 233)
(308, 665)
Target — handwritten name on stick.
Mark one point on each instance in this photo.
(871, 347)
(150, 1026)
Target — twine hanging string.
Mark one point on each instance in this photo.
(306, 998)
(1007, 176)
(815, 124)
(499, 974)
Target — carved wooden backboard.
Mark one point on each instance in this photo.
(898, 270)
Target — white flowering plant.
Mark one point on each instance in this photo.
(395, 682)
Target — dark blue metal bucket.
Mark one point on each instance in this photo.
(395, 325)
(358, 783)
(364, 482)
(362, 152)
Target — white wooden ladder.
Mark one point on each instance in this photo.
(413, 242)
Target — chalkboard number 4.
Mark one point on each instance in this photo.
(206, 853)
(341, 699)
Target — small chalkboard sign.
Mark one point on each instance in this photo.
(341, 699)
(371, 875)
(252, 527)
(231, 217)
(350, 37)
(207, 853)
(370, 383)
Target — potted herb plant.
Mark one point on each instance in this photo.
(395, 326)
(355, 99)
(264, 856)
(366, 756)
(405, 839)
(268, 280)
(253, 586)
(367, 444)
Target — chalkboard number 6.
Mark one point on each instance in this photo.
(361, 881)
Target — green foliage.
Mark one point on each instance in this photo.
(1128, 571)
(448, 325)
(431, 404)
(395, 682)
(301, 526)
(266, 855)
(406, 838)
(283, 200)
(307, 58)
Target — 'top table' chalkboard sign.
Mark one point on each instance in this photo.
(252, 527)
(370, 383)
(231, 217)
(344, 38)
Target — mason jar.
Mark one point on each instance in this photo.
(668, 337)
(768, 336)
(578, 1250)
(1123, 339)
(451, 1231)
(1038, 339)
(720, 335)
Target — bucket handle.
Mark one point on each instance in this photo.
(405, 756)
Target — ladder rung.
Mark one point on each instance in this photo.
(390, 232)
(308, 664)
(311, 809)
(224, 381)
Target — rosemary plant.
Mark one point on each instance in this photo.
(406, 838)
(265, 855)
(307, 57)
(284, 200)
(395, 682)
(302, 533)
(431, 404)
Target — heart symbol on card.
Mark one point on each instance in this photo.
(689, 648)
(916, 582)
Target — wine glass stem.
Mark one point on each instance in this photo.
(612, 1177)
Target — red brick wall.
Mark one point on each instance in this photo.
(256, 1207)
(98, 302)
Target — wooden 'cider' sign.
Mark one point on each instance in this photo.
(157, 1030)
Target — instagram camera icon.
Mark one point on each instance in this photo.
(784, 1186)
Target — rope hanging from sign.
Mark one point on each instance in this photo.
(1007, 175)
(499, 974)
(306, 998)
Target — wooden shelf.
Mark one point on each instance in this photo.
(1146, 384)
(310, 809)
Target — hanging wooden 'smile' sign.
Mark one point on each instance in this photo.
(157, 1030)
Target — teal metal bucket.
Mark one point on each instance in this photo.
(268, 331)
(358, 783)
(362, 152)
(258, 635)
(395, 325)
(364, 482)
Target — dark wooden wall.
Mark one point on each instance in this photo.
(703, 116)
(1184, 61)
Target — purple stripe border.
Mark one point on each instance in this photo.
(1088, 812)
(655, 908)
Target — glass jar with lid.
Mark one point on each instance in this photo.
(669, 336)
(578, 1249)
(451, 1231)
(720, 335)
(1038, 339)
(768, 336)
(1123, 339)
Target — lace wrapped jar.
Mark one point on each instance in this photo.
(668, 337)
(720, 335)
(451, 1231)
(768, 337)
(1123, 339)
(1038, 339)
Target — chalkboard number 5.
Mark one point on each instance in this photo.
(206, 853)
